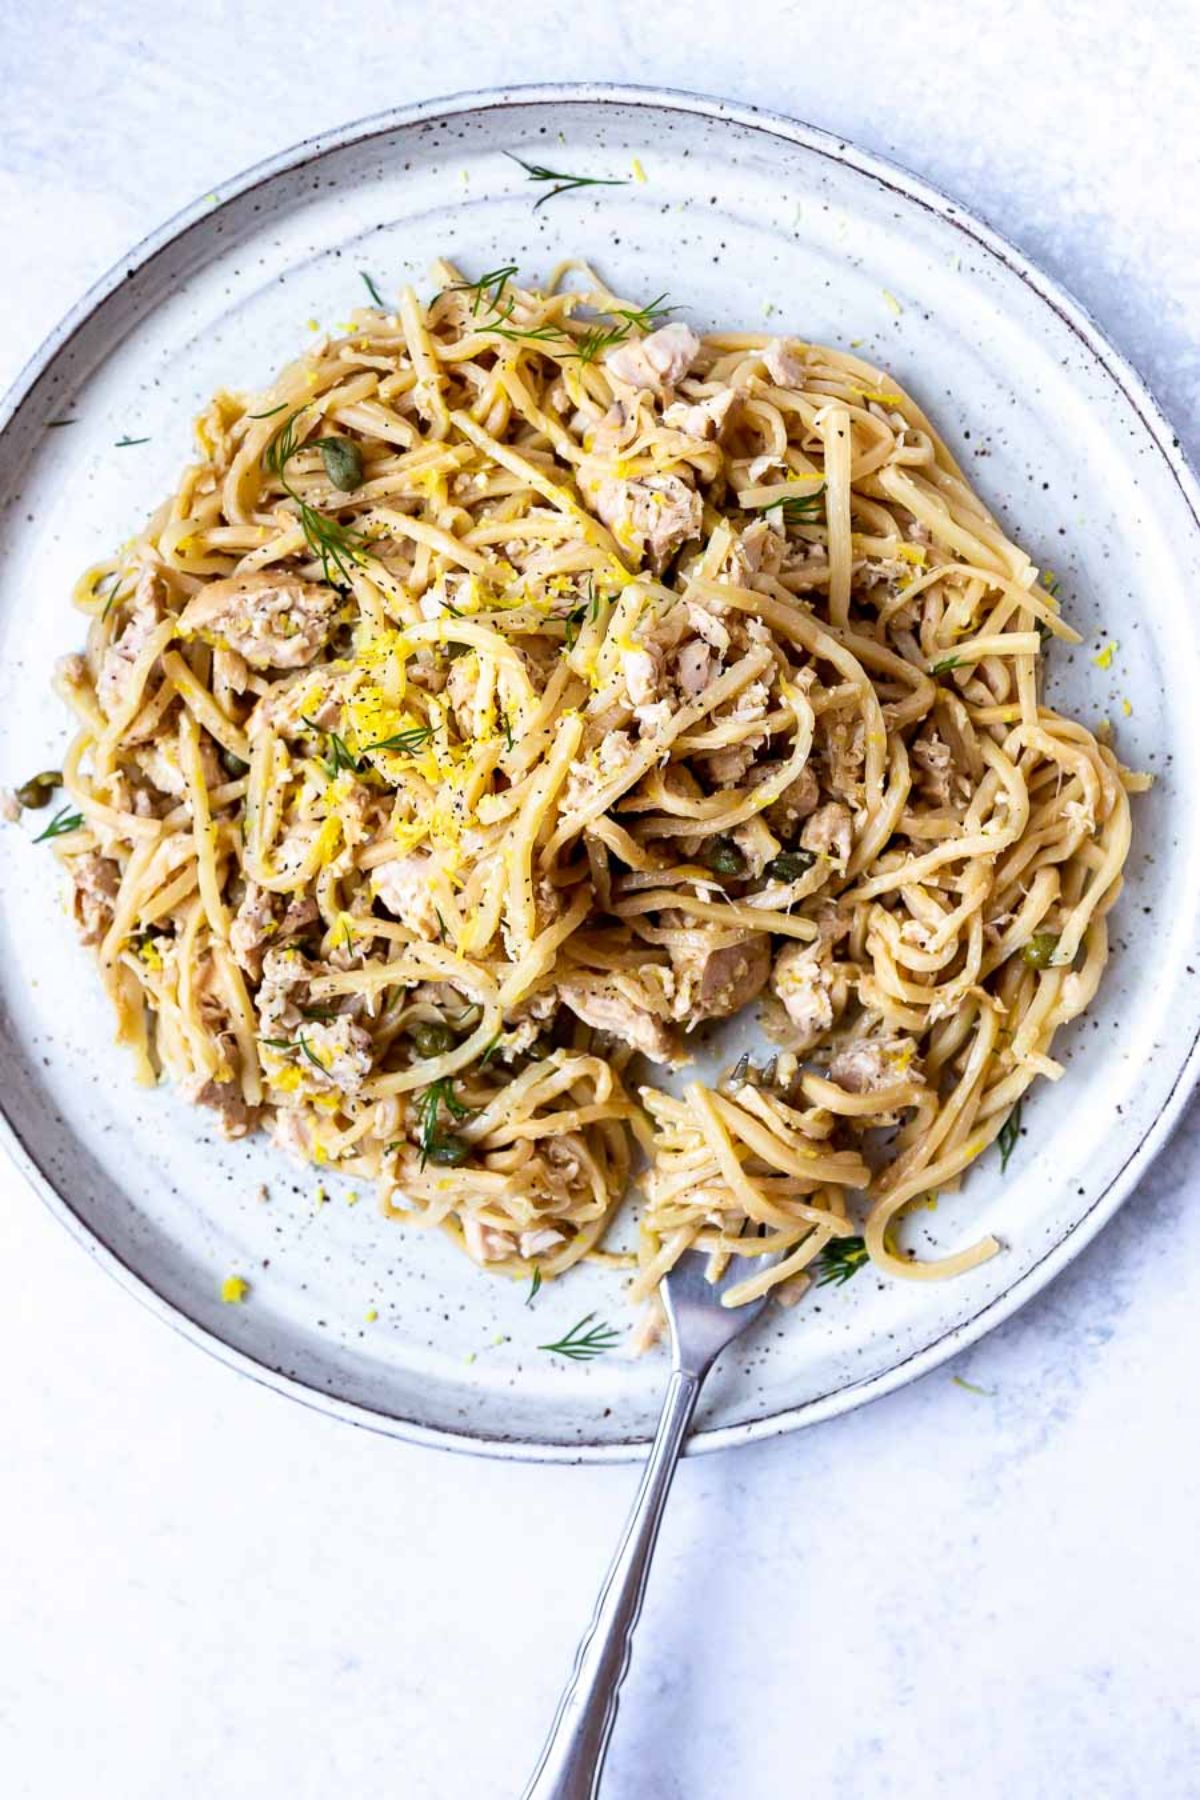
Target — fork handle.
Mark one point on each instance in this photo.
(573, 1755)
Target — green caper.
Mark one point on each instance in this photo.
(233, 765)
(789, 865)
(343, 462)
(723, 857)
(432, 1037)
(1039, 951)
(37, 790)
(449, 1151)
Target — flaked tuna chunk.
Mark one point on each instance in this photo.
(274, 621)
(653, 517)
(656, 362)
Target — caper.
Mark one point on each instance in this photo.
(449, 1151)
(37, 790)
(1039, 951)
(789, 865)
(432, 1037)
(233, 765)
(343, 462)
(723, 857)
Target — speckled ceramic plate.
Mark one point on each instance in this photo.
(746, 220)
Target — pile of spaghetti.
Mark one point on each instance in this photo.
(522, 681)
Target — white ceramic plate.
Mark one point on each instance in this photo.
(744, 219)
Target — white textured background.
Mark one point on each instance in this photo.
(209, 1594)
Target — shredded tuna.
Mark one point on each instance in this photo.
(96, 880)
(783, 364)
(708, 626)
(10, 807)
(798, 799)
(336, 1053)
(803, 980)
(640, 669)
(874, 1063)
(845, 746)
(701, 418)
(274, 621)
(295, 1132)
(484, 1243)
(830, 832)
(712, 984)
(934, 762)
(251, 928)
(145, 615)
(255, 925)
(730, 766)
(653, 517)
(286, 974)
(226, 1098)
(403, 887)
(656, 362)
(760, 549)
(599, 1002)
(694, 665)
(538, 1241)
(287, 706)
(590, 772)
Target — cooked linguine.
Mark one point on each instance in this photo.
(522, 681)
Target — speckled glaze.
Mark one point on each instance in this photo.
(747, 220)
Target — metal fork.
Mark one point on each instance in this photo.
(573, 1755)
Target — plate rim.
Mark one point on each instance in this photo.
(912, 189)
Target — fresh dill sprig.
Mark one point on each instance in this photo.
(841, 1258)
(376, 296)
(799, 509)
(600, 338)
(564, 183)
(127, 443)
(282, 407)
(114, 598)
(435, 1144)
(59, 424)
(533, 334)
(944, 667)
(534, 1285)
(488, 287)
(405, 741)
(571, 624)
(336, 545)
(338, 548)
(973, 1387)
(585, 613)
(581, 1343)
(340, 760)
(290, 1047)
(64, 821)
(644, 317)
(1008, 1136)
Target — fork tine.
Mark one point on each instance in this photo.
(701, 1326)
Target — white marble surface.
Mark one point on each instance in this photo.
(207, 1592)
